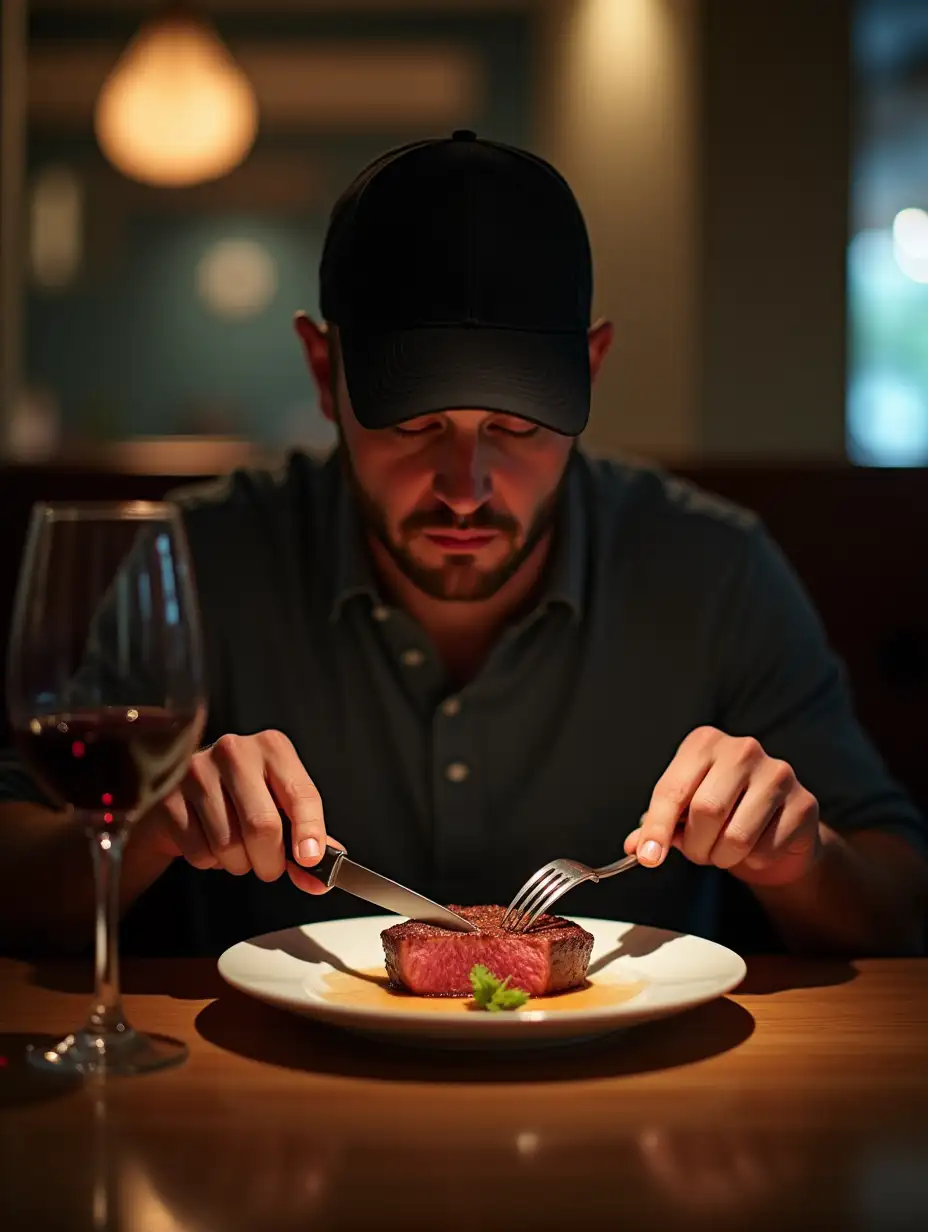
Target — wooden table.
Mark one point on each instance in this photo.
(799, 1102)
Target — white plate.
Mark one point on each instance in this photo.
(324, 971)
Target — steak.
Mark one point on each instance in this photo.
(436, 962)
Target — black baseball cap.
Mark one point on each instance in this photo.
(458, 272)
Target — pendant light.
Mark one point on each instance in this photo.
(176, 109)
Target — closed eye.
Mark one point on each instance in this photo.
(514, 427)
(416, 427)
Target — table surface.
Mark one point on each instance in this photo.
(799, 1101)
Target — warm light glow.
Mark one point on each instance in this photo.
(621, 45)
(56, 227)
(527, 1143)
(910, 243)
(176, 109)
(236, 278)
(142, 1204)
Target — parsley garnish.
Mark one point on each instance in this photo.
(493, 994)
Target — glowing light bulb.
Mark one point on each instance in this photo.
(176, 109)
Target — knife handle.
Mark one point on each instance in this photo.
(325, 869)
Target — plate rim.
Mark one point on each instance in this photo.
(624, 1013)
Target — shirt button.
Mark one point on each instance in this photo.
(413, 657)
(457, 772)
(380, 612)
(451, 706)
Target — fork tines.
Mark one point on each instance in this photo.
(539, 892)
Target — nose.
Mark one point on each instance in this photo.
(462, 476)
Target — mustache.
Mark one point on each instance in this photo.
(443, 518)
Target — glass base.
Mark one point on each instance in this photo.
(114, 1054)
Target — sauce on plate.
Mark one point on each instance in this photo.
(371, 989)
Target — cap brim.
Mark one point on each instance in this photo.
(401, 374)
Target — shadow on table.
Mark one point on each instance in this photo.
(260, 1032)
(778, 974)
(187, 979)
(20, 1082)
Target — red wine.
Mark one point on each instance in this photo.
(112, 761)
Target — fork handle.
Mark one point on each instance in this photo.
(610, 870)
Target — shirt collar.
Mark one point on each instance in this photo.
(565, 577)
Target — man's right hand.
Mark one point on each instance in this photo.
(225, 812)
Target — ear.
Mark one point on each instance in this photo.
(600, 336)
(315, 341)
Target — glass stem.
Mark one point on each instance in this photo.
(106, 1015)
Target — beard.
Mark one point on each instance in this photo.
(458, 579)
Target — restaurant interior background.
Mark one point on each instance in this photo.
(754, 176)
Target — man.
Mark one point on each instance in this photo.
(462, 648)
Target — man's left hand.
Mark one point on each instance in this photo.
(723, 801)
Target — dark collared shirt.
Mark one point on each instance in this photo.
(663, 609)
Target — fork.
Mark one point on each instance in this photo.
(553, 881)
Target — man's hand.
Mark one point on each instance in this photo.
(225, 812)
(723, 801)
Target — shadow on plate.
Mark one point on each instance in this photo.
(774, 973)
(638, 942)
(20, 1082)
(295, 943)
(263, 1033)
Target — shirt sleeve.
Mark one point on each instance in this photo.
(778, 680)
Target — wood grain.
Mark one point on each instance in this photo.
(802, 1099)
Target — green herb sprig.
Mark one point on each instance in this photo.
(492, 994)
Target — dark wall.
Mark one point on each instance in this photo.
(775, 148)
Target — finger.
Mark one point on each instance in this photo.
(718, 796)
(241, 764)
(298, 796)
(216, 815)
(184, 831)
(792, 831)
(746, 824)
(306, 881)
(673, 792)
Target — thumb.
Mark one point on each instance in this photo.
(304, 880)
(652, 842)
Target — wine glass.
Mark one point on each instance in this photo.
(107, 704)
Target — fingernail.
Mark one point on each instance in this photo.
(308, 849)
(651, 851)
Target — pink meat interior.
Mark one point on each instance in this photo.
(435, 962)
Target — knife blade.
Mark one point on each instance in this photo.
(335, 869)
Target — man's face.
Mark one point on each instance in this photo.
(459, 499)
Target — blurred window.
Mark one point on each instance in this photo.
(887, 407)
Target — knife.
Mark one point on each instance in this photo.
(336, 870)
